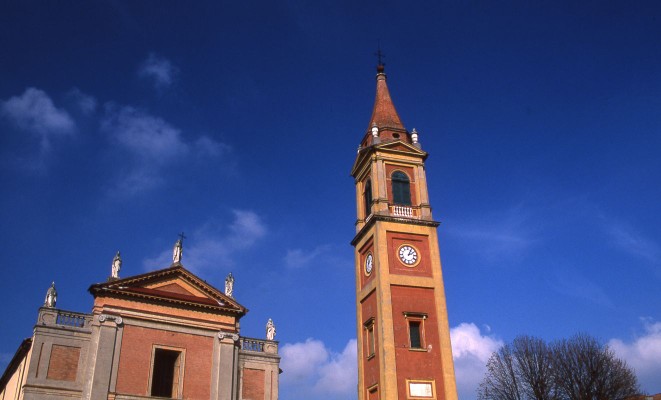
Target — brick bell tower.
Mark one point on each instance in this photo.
(403, 333)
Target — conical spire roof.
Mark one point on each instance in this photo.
(384, 114)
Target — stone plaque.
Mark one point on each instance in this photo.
(420, 389)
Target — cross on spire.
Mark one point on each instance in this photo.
(380, 56)
(182, 237)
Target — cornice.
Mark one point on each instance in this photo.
(388, 218)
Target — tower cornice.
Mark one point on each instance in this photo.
(389, 218)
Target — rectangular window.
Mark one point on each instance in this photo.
(369, 337)
(416, 327)
(414, 333)
(373, 393)
(167, 371)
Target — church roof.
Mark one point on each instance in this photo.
(174, 285)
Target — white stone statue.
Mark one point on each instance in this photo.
(270, 330)
(177, 252)
(229, 285)
(51, 296)
(116, 266)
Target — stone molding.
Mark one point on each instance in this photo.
(222, 335)
(106, 317)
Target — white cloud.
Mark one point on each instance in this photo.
(34, 112)
(85, 103)
(504, 236)
(218, 244)
(634, 243)
(311, 370)
(643, 354)
(339, 374)
(160, 70)
(147, 137)
(571, 283)
(471, 351)
(297, 258)
(209, 147)
(152, 144)
(302, 360)
(246, 228)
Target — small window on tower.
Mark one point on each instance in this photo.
(369, 338)
(166, 373)
(416, 326)
(368, 198)
(414, 333)
(401, 189)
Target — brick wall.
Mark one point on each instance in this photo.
(63, 365)
(136, 357)
(253, 384)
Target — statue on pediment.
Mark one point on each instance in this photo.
(270, 330)
(116, 266)
(51, 296)
(229, 285)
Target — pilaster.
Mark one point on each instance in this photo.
(101, 355)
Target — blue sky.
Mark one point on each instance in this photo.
(125, 123)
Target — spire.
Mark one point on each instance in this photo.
(384, 115)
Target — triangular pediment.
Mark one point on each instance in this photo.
(396, 146)
(178, 286)
(400, 146)
(171, 285)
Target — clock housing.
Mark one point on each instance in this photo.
(399, 242)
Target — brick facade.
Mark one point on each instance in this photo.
(63, 365)
(162, 332)
(253, 384)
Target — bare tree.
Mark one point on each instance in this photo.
(534, 360)
(579, 368)
(502, 379)
(519, 371)
(586, 370)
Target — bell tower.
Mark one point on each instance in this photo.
(403, 333)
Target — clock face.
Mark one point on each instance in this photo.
(369, 264)
(408, 255)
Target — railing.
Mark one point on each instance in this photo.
(249, 344)
(401, 211)
(63, 318)
(68, 318)
(258, 345)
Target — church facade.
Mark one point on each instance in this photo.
(169, 334)
(403, 333)
(162, 334)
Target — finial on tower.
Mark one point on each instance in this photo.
(375, 134)
(178, 250)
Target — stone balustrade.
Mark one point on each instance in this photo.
(401, 211)
(258, 345)
(63, 318)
